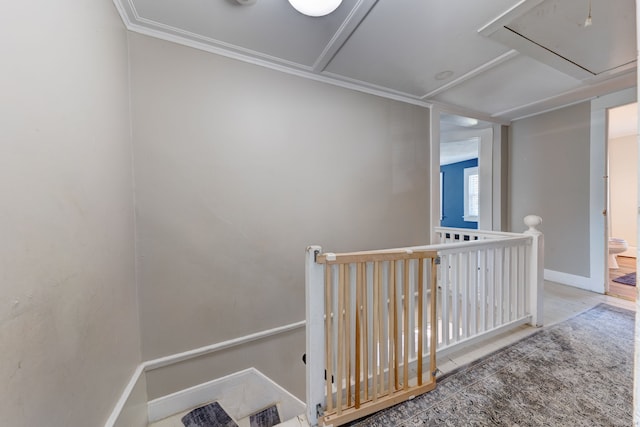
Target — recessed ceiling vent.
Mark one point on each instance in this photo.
(555, 32)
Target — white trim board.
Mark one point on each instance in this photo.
(126, 393)
(240, 394)
(208, 349)
(581, 282)
(599, 250)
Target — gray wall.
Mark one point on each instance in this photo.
(549, 176)
(68, 320)
(238, 169)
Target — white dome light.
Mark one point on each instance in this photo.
(315, 7)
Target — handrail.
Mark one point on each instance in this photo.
(373, 256)
(471, 244)
(489, 244)
(475, 231)
(412, 252)
(161, 362)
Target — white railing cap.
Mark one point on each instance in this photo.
(532, 221)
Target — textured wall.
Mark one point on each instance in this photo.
(238, 169)
(549, 176)
(68, 318)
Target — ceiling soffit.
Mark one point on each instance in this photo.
(419, 52)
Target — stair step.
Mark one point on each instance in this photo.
(210, 415)
(214, 415)
(268, 417)
(299, 421)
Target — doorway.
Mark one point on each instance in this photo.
(622, 200)
(465, 172)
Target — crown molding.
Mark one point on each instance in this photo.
(571, 97)
(164, 32)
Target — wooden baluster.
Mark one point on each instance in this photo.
(482, 289)
(406, 327)
(328, 283)
(413, 304)
(358, 336)
(341, 325)
(500, 285)
(522, 294)
(393, 328)
(376, 328)
(365, 330)
(444, 289)
(491, 284)
(514, 283)
(419, 348)
(455, 297)
(473, 290)
(434, 319)
(464, 279)
(383, 326)
(347, 319)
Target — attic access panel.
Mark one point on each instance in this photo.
(554, 32)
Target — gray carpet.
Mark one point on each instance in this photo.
(575, 373)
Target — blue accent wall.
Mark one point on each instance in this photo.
(453, 194)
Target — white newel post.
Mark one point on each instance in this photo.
(536, 269)
(314, 296)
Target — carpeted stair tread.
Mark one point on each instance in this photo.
(268, 417)
(211, 415)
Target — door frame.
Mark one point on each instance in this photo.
(491, 165)
(598, 187)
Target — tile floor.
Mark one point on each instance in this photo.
(560, 303)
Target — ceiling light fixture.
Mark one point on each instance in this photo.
(315, 7)
(587, 22)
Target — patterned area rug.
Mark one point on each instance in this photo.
(576, 373)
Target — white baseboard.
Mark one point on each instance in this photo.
(113, 419)
(581, 282)
(240, 394)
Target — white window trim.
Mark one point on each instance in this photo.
(467, 173)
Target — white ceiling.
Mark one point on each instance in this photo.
(460, 138)
(459, 150)
(491, 59)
